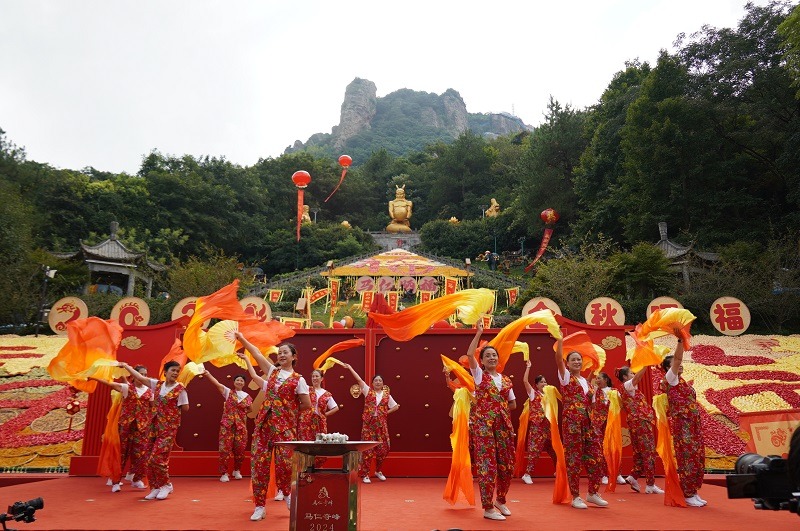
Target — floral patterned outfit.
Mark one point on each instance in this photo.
(598, 416)
(135, 416)
(493, 437)
(313, 420)
(233, 431)
(580, 444)
(375, 427)
(166, 421)
(641, 425)
(538, 433)
(277, 421)
(687, 434)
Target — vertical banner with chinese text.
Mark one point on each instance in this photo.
(366, 300)
(512, 294)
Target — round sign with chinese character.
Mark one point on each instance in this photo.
(365, 283)
(540, 303)
(730, 316)
(131, 311)
(66, 310)
(662, 303)
(384, 284)
(604, 311)
(257, 307)
(408, 284)
(427, 284)
(185, 307)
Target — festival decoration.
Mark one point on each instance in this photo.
(505, 342)
(550, 400)
(301, 179)
(673, 495)
(612, 438)
(594, 357)
(90, 340)
(549, 216)
(673, 321)
(323, 362)
(344, 161)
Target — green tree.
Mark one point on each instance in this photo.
(642, 272)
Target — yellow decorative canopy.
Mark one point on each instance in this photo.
(397, 263)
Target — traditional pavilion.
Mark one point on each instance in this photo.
(113, 266)
(397, 263)
(680, 256)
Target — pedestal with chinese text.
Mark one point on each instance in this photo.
(325, 499)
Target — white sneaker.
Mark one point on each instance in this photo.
(224, 478)
(701, 500)
(380, 476)
(653, 489)
(578, 503)
(138, 484)
(621, 480)
(366, 479)
(258, 514)
(169, 488)
(527, 479)
(604, 481)
(279, 496)
(163, 492)
(630, 480)
(109, 482)
(505, 511)
(692, 501)
(596, 499)
(129, 476)
(288, 500)
(153, 494)
(493, 515)
(237, 474)
(116, 487)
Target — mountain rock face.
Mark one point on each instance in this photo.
(402, 121)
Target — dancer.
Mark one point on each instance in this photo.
(684, 424)
(170, 400)
(580, 441)
(315, 419)
(492, 431)
(135, 416)
(538, 425)
(286, 394)
(599, 418)
(641, 423)
(378, 405)
(232, 426)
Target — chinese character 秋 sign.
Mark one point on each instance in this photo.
(730, 316)
(604, 311)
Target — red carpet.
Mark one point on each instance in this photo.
(204, 503)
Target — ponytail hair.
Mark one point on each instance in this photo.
(622, 372)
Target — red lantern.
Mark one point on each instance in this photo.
(73, 407)
(345, 161)
(549, 216)
(301, 178)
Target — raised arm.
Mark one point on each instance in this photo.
(473, 363)
(361, 382)
(251, 370)
(528, 387)
(560, 367)
(214, 381)
(113, 385)
(677, 359)
(264, 362)
(144, 380)
(639, 376)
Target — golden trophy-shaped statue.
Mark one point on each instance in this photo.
(493, 210)
(306, 217)
(400, 211)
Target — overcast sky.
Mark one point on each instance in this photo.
(102, 83)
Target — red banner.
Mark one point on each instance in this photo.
(542, 248)
(317, 295)
(450, 285)
(393, 298)
(294, 322)
(275, 295)
(770, 431)
(425, 296)
(487, 321)
(299, 210)
(366, 300)
(512, 294)
(333, 286)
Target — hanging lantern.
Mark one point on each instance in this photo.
(345, 161)
(301, 179)
(549, 216)
(73, 407)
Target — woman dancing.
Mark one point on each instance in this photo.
(232, 425)
(599, 419)
(492, 432)
(315, 419)
(378, 405)
(538, 425)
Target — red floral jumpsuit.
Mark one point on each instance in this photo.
(166, 421)
(135, 416)
(598, 415)
(580, 445)
(233, 431)
(313, 420)
(687, 435)
(641, 425)
(493, 437)
(538, 433)
(277, 421)
(375, 427)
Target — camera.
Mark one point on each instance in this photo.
(766, 480)
(22, 511)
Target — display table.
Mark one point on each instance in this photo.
(325, 499)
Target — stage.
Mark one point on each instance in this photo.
(81, 503)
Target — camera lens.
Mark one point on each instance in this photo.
(745, 462)
(36, 503)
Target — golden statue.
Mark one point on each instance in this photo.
(493, 209)
(400, 211)
(306, 218)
